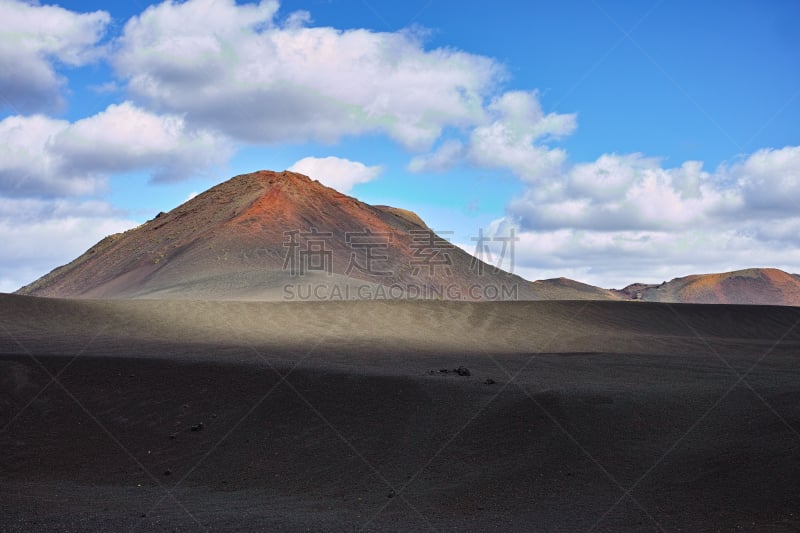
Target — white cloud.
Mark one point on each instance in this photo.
(514, 139)
(625, 192)
(234, 68)
(770, 179)
(45, 156)
(521, 115)
(33, 39)
(448, 155)
(39, 235)
(337, 173)
(28, 167)
(514, 136)
(124, 137)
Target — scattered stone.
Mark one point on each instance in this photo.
(186, 406)
(198, 427)
(444, 371)
(167, 472)
(490, 381)
(390, 495)
(173, 436)
(214, 415)
(462, 371)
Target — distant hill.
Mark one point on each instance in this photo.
(764, 286)
(568, 289)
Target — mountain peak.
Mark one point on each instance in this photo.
(253, 235)
(286, 178)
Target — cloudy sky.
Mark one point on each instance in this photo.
(622, 141)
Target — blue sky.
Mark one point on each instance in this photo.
(623, 141)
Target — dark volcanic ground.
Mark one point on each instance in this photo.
(631, 416)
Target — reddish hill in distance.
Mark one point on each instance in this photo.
(757, 286)
(231, 242)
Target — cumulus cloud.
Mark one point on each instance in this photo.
(45, 156)
(235, 68)
(447, 156)
(625, 192)
(770, 179)
(514, 136)
(124, 137)
(27, 166)
(340, 174)
(35, 39)
(40, 234)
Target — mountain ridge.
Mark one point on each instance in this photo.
(754, 286)
(241, 239)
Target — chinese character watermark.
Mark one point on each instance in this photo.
(482, 249)
(311, 254)
(375, 248)
(429, 251)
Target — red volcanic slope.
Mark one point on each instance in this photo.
(231, 242)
